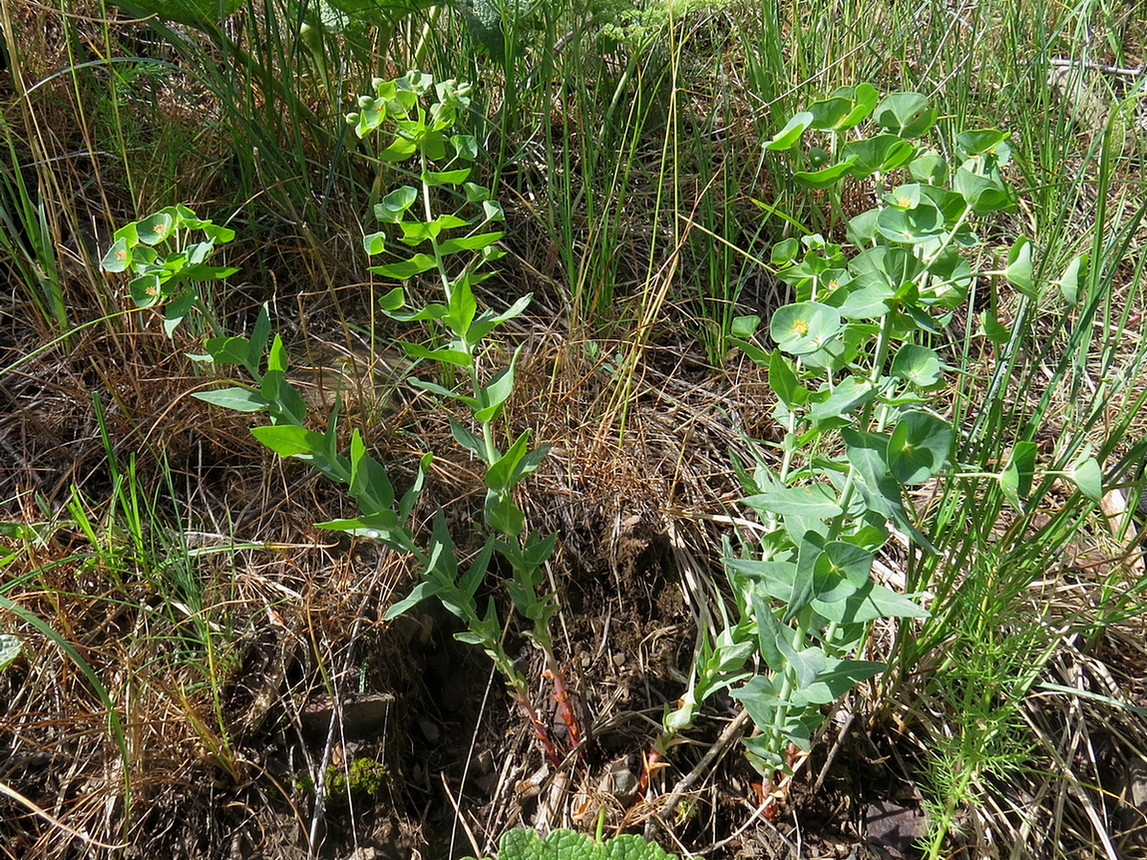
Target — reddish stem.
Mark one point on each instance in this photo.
(565, 709)
(540, 732)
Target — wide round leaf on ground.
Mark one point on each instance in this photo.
(918, 447)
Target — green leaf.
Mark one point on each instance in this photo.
(1019, 270)
(745, 326)
(394, 204)
(468, 440)
(788, 136)
(993, 329)
(277, 359)
(905, 114)
(918, 365)
(177, 308)
(911, 226)
(1088, 477)
(769, 633)
(777, 579)
(485, 324)
(863, 97)
(503, 515)
(1069, 283)
(826, 176)
(260, 334)
(759, 699)
(288, 440)
(406, 505)
(985, 194)
(435, 388)
(840, 559)
(919, 447)
(500, 475)
(814, 501)
(228, 350)
(785, 252)
(468, 243)
(869, 302)
(369, 483)
(155, 228)
(804, 327)
(118, 257)
(415, 232)
(446, 177)
(783, 381)
(827, 113)
(420, 592)
(416, 265)
(456, 357)
(867, 453)
(866, 603)
(393, 300)
(476, 193)
(381, 525)
(463, 306)
(969, 143)
(757, 355)
(834, 679)
(929, 167)
(466, 145)
(861, 230)
(849, 394)
(239, 399)
(1016, 478)
(146, 291)
(494, 394)
(400, 149)
(878, 154)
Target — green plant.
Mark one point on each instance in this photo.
(855, 382)
(422, 135)
(169, 269)
(523, 844)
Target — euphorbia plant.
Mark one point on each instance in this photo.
(455, 244)
(854, 379)
(421, 135)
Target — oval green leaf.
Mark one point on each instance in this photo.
(919, 447)
(804, 327)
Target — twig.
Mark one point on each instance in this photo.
(458, 816)
(731, 734)
(832, 753)
(38, 810)
(1066, 62)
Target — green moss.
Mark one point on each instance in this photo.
(362, 780)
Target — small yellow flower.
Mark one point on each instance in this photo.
(800, 327)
